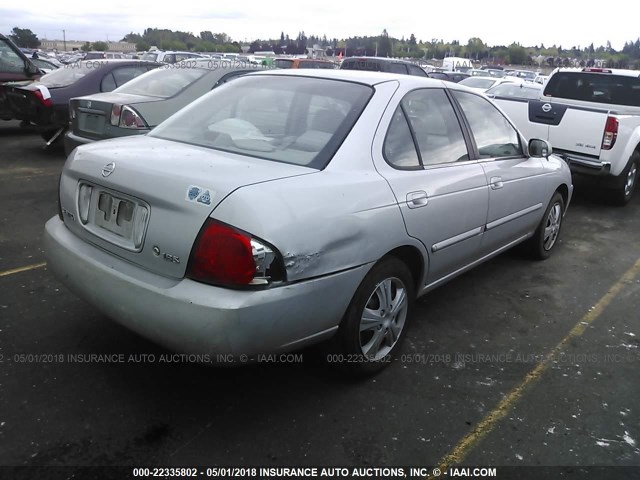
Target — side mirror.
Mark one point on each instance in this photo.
(539, 148)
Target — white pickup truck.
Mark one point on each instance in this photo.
(591, 118)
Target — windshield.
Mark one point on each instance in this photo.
(150, 56)
(296, 120)
(514, 90)
(69, 73)
(162, 82)
(10, 61)
(478, 82)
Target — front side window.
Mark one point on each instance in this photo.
(296, 120)
(415, 70)
(494, 135)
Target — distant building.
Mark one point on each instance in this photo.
(60, 45)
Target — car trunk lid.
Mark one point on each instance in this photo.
(91, 115)
(162, 187)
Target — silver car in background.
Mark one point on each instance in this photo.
(288, 208)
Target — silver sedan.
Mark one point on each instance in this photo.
(285, 209)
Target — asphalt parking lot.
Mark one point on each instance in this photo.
(516, 363)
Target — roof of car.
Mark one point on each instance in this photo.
(604, 71)
(359, 76)
(378, 59)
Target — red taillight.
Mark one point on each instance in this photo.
(610, 133)
(222, 255)
(115, 114)
(126, 117)
(45, 101)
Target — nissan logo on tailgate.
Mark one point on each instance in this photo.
(108, 169)
(546, 108)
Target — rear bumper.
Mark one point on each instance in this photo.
(191, 317)
(72, 141)
(585, 165)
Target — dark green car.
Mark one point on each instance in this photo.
(143, 103)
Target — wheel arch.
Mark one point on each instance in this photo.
(414, 260)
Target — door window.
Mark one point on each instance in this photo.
(495, 137)
(424, 119)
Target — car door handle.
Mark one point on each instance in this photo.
(417, 199)
(496, 183)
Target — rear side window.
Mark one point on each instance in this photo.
(362, 64)
(123, 74)
(425, 118)
(595, 87)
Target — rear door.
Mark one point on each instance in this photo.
(442, 194)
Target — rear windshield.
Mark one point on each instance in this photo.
(296, 120)
(515, 90)
(162, 82)
(69, 73)
(595, 87)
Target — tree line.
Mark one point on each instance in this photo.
(382, 45)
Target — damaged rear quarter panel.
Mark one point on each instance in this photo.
(321, 223)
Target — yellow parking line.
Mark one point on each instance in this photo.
(22, 269)
(488, 423)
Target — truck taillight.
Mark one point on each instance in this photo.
(223, 255)
(610, 133)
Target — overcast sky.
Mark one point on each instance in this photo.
(564, 23)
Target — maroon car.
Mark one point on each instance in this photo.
(14, 67)
(45, 102)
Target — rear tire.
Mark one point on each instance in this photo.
(545, 238)
(376, 321)
(629, 179)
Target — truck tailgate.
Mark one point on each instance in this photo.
(571, 128)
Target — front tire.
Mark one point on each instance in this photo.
(629, 178)
(545, 238)
(377, 318)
